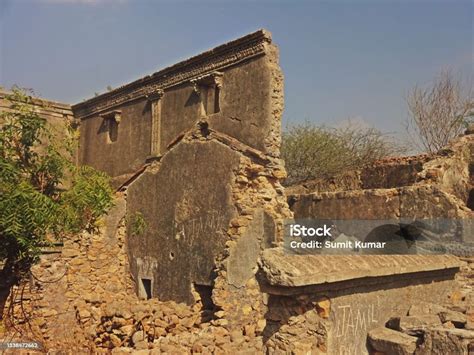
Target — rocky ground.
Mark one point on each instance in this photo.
(81, 298)
(123, 324)
(432, 328)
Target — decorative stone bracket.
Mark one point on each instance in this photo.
(156, 95)
(210, 80)
(115, 115)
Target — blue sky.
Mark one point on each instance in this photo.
(341, 59)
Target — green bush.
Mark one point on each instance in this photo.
(313, 152)
(35, 208)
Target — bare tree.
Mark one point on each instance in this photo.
(438, 113)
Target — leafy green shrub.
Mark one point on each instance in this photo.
(34, 205)
(313, 152)
(88, 199)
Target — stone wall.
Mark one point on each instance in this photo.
(54, 112)
(203, 129)
(195, 148)
(58, 116)
(437, 186)
(327, 304)
(81, 299)
(450, 169)
(235, 87)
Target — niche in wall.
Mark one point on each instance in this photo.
(209, 89)
(111, 122)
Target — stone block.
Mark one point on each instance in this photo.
(457, 318)
(414, 325)
(242, 260)
(470, 318)
(392, 342)
(422, 308)
(446, 341)
(284, 270)
(323, 308)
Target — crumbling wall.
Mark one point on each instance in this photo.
(81, 299)
(212, 202)
(59, 116)
(211, 198)
(450, 169)
(437, 186)
(321, 303)
(61, 304)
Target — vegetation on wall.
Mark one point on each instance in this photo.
(43, 195)
(138, 224)
(313, 152)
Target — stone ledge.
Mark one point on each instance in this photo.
(43, 107)
(416, 201)
(284, 270)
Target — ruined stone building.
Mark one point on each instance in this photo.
(176, 141)
(193, 151)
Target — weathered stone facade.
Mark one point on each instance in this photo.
(188, 144)
(237, 88)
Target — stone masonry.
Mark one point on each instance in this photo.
(190, 259)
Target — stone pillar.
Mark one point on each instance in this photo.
(155, 100)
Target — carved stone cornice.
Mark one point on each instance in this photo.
(201, 65)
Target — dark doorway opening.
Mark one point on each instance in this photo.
(208, 306)
(146, 283)
(205, 292)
